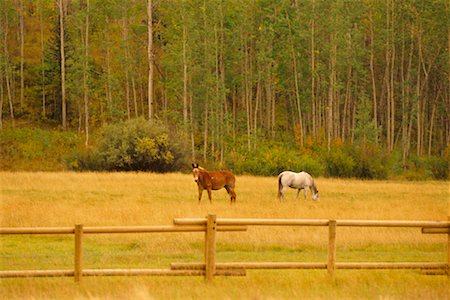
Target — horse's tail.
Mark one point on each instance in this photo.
(279, 185)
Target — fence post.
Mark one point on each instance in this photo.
(78, 252)
(210, 248)
(331, 247)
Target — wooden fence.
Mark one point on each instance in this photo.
(210, 268)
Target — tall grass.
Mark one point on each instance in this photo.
(94, 199)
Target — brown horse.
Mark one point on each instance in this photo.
(213, 180)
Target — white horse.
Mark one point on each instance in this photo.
(299, 181)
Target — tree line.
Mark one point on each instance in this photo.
(233, 72)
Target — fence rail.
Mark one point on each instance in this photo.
(114, 229)
(210, 268)
(119, 272)
(314, 222)
(306, 265)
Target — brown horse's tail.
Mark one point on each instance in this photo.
(279, 185)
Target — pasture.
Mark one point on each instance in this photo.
(100, 199)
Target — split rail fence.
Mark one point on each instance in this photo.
(210, 268)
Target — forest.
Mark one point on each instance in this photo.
(340, 88)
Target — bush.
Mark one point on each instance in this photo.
(422, 168)
(364, 160)
(32, 149)
(270, 159)
(339, 163)
(438, 167)
(134, 145)
(370, 163)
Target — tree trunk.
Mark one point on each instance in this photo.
(1, 100)
(268, 84)
(205, 138)
(191, 119)
(346, 110)
(403, 93)
(126, 66)
(8, 75)
(185, 74)
(406, 103)
(219, 106)
(430, 138)
(10, 96)
(85, 77)
(256, 110)
(297, 88)
(418, 95)
(246, 91)
(63, 65)
(223, 99)
(331, 92)
(108, 73)
(372, 75)
(150, 59)
(392, 65)
(315, 130)
(135, 104)
(387, 76)
(22, 56)
(234, 113)
(41, 28)
(447, 95)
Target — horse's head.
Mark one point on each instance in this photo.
(315, 196)
(315, 191)
(195, 172)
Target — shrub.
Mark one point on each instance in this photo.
(438, 167)
(430, 167)
(338, 163)
(270, 159)
(134, 145)
(424, 168)
(370, 163)
(32, 149)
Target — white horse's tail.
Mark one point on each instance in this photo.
(279, 185)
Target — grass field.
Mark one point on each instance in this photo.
(94, 199)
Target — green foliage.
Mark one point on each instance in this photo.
(422, 168)
(371, 163)
(361, 161)
(438, 167)
(272, 158)
(35, 149)
(139, 145)
(366, 130)
(338, 163)
(135, 145)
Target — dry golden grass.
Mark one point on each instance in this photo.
(95, 199)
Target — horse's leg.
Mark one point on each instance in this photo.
(304, 190)
(231, 192)
(209, 194)
(200, 192)
(283, 189)
(298, 192)
(233, 196)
